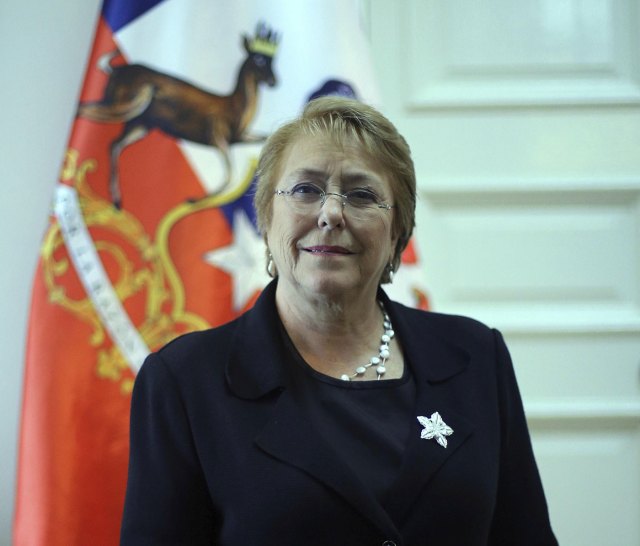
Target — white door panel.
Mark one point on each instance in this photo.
(524, 121)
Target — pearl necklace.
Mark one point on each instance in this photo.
(383, 354)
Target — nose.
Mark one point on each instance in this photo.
(339, 196)
(331, 211)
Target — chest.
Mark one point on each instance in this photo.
(268, 462)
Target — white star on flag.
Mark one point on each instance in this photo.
(243, 259)
(435, 427)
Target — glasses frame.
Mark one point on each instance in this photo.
(344, 199)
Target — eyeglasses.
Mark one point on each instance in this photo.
(307, 198)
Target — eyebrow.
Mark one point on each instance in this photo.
(314, 174)
(349, 179)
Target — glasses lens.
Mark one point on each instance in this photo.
(362, 199)
(305, 194)
(306, 198)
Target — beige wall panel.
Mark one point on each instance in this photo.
(598, 370)
(504, 53)
(591, 475)
(526, 256)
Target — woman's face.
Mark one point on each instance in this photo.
(330, 250)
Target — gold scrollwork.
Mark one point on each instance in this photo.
(138, 266)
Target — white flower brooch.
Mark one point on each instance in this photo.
(435, 427)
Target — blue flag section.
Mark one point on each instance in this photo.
(118, 14)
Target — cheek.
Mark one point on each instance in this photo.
(282, 239)
(380, 234)
(287, 247)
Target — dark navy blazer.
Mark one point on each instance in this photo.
(222, 454)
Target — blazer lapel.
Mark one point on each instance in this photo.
(256, 367)
(423, 458)
(290, 437)
(434, 362)
(255, 363)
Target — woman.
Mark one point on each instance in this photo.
(329, 414)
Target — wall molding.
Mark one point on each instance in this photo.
(531, 56)
(590, 413)
(430, 186)
(597, 211)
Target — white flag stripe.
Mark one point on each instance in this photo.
(94, 278)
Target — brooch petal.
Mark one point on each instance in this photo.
(435, 427)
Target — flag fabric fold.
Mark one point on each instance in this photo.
(153, 231)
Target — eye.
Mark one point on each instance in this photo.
(361, 197)
(306, 187)
(306, 191)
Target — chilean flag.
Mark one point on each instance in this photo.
(153, 232)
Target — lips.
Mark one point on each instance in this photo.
(327, 250)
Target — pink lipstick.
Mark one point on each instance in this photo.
(327, 250)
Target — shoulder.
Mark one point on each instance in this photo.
(194, 355)
(216, 343)
(200, 343)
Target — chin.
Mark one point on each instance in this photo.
(333, 284)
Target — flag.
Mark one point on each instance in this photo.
(152, 232)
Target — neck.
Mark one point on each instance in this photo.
(333, 336)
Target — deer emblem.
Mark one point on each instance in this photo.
(145, 99)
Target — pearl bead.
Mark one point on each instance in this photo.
(383, 354)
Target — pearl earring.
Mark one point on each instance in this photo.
(271, 267)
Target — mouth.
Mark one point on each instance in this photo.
(327, 250)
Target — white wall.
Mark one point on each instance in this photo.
(44, 46)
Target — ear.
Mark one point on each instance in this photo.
(265, 239)
(395, 241)
(245, 43)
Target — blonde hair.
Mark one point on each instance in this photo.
(341, 119)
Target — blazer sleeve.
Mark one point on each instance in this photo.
(167, 501)
(521, 516)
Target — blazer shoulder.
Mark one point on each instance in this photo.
(202, 348)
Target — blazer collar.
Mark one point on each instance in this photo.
(418, 337)
(256, 367)
(256, 363)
